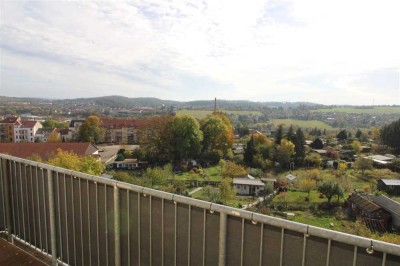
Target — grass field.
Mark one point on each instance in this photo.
(301, 123)
(203, 113)
(212, 174)
(234, 202)
(353, 110)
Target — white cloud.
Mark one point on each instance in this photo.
(269, 50)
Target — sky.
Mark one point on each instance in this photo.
(322, 51)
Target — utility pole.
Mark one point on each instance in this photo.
(215, 105)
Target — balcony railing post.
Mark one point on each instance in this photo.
(6, 175)
(52, 216)
(222, 239)
(117, 227)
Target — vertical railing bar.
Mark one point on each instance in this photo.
(22, 201)
(204, 236)
(282, 239)
(355, 256)
(384, 259)
(45, 212)
(261, 242)
(6, 189)
(3, 191)
(139, 248)
(17, 199)
(89, 234)
(12, 201)
(59, 217)
(33, 208)
(73, 216)
(162, 232)
(81, 217)
(189, 233)
(52, 217)
(129, 228)
(97, 224)
(117, 242)
(27, 204)
(175, 229)
(304, 250)
(66, 216)
(222, 239)
(105, 207)
(328, 252)
(151, 257)
(38, 206)
(242, 244)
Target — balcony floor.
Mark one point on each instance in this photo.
(11, 255)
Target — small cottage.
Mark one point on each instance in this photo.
(248, 187)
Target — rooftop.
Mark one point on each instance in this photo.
(391, 182)
(247, 181)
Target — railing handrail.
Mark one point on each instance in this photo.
(378, 245)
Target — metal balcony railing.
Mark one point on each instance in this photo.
(80, 219)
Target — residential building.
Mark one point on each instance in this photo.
(129, 164)
(25, 131)
(73, 130)
(43, 134)
(7, 129)
(249, 187)
(121, 131)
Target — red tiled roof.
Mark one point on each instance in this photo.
(9, 120)
(28, 123)
(46, 150)
(118, 123)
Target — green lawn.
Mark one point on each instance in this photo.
(212, 174)
(233, 202)
(299, 197)
(203, 113)
(371, 110)
(301, 123)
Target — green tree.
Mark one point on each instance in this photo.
(54, 136)
(390, 135)
(157, 176)
(306, 185)
(342, 135)
(299, 150)
(186, 137)
(313, 159)
(155, 138)
(231, 169)
(212, 194)
(70, 160)
(279, 135)
(91, 130)
(284, 152)
(226, 190)
(358, 134)
(217, 133)
(363, 164)
(356, 145)
(317, 144)
(330, 188)
(249, 152)
(268, 189)
(290, 134)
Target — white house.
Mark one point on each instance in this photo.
(25, 131)
(246, 186)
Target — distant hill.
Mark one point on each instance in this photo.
(116, 101)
